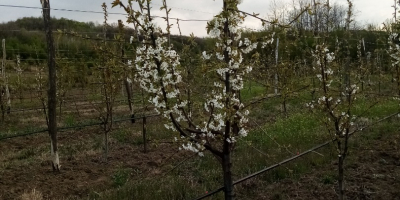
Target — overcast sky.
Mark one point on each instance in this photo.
(367, 11)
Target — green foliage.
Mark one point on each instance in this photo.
(69, 120)
(328, 179)
(252, 90)
(296, 130)
(375, 109)
(121, 177)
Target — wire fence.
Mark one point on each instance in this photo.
(23, 134)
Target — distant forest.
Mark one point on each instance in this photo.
(25, 37)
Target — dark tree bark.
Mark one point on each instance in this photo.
(226, 158)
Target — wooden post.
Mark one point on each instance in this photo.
(276, 63)
(315, 19)
(51, 96)
(3, 63)
(3, 77)
(5, 92)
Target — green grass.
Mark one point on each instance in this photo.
(69, 120)
(168, 187)
(252, 89)
(121, 177)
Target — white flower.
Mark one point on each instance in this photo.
(205, 56)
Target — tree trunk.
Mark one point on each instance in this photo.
(106, 145)
(340, 179)
(228, 183)
(144, 134)
(226, 162)
(226, 157)
(129, 96)
(52, 101)
(340, 168)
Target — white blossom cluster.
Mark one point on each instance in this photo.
(197, 148)
(40, 82)
(322, 55)
(223, 103)
(157, 73)
(336, 110)
(394, 48)
(268, 40)
(156, 65)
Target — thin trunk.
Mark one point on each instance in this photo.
(129, 96)
(19, 78)
(52, 92)
(284, 106)
(144, 134)
(340, 178)
(128, 87)
(106, 145)
(77, 109)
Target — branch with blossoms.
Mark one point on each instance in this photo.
(158, 73)
(394, 52)
(337, 110)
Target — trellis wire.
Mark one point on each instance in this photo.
(74, 127)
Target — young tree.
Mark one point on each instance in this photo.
(158, 73)
(337, 111)
(109, 72)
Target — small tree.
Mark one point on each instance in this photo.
(109, 73)
(336, 110)
(158, 73)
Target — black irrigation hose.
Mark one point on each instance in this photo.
(23, 134)
(290, 159)
(75, 127)
(71, 105)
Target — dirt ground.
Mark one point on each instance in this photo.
(372, 170)
(80, 173)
